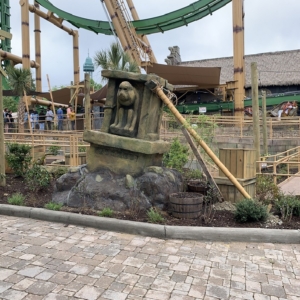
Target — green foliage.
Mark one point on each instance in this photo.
(177, 156)
(10, 103)
(248, 210)
(106, 212)
(190, 174)
(154, 216)
(16, 199)
(95, 85)
(18, 158)
(20, 80)
(115, 58)
(54, 149)
(288, 206)
(53, 206)
(82, 148)
(37, 177)
(59, 171)
(266, 190)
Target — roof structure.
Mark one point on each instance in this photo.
(274, 68)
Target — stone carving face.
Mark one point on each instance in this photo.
(127, 110)
(126, 94)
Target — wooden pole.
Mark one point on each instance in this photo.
(2, 145)
(28, 115)
(25, 34)
(238, 56)
(201, 162)
(87, 109)
(52, 102)
(37, 33)
(76, 58)
(155, 88)
(255, 111)
(264, 125)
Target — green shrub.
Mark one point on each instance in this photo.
(288, 206)
(59, 171)
(154, 216)
(266, 190)
(18, 158)
(53, 206)
(37, 177)
(177, 156)
(106, 212)
(249, 210)
(54, 149)
(16, 199)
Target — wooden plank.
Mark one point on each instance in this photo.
(240, 163)
(5, 35)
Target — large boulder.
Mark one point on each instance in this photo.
(103, 189)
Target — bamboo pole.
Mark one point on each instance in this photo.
(28, 116)
(37, 33)
(264, 125)
(198, 139)
(17, 59)
(238, 56)
(76, 57)
(25, 34)
(87, 109)
(50, 91)
(255, 113)
(2, 145)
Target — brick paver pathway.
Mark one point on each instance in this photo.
(42, 260)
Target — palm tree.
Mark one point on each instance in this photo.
(20, 80)
(115, 59)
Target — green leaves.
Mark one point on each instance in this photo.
(19, 79)
(248, 210)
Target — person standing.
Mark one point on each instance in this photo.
(49, 118)
(34, 119)
(72, 118)
(10, 121)
(60, 117)
(42, 118)
(26, 128)
(5, 119)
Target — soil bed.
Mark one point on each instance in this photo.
(219, 218)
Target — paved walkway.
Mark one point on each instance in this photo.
(291, 186)
(43, 260)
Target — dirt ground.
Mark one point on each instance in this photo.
(218, 217)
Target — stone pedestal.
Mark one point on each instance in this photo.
(122, 155)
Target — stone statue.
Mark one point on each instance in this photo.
(127, 109)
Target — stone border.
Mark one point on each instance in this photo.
(253, 235)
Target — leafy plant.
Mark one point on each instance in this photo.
(59, 171)
(266, 190)
(190, 174)
(249, 210)
(37, 177)
(288, 206)
(54, 149)
(177, 156)
(82, 148)
(106, 212)
(53, 206)
(16, 199)
(154, 216)
(18, 158)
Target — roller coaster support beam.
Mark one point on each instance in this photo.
(17, 59)
(25, 34)
(238, 56)
(58, 22)
(37, 34)
(144, 38)
(155, 87)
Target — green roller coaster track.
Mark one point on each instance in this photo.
(181, 17)
(5, 23)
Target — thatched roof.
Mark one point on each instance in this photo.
(274, 68)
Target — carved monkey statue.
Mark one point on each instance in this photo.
(127, 107)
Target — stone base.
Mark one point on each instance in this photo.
(105, 189)
(122, 155)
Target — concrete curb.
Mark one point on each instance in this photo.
(257, 235)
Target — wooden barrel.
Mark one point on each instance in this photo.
(197, 186)
(186, 205)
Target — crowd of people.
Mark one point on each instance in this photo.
(43, 120)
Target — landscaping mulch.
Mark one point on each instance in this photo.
(220, 217)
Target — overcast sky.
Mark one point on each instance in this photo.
(270, 25)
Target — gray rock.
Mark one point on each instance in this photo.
(104, 188)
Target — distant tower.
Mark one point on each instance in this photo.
(88, 66)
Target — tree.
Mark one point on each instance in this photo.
(20, 80)
(115, 59)
(97, 86)
(10, 103)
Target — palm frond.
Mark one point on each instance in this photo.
(19, 79)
